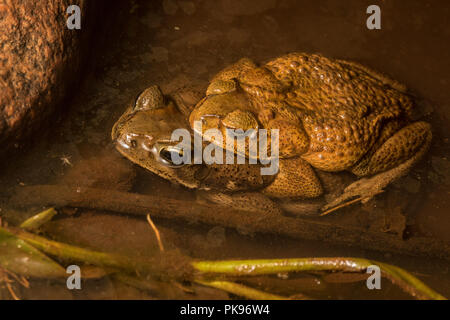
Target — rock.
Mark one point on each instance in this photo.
(39, 60)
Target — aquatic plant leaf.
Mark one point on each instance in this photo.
(23, 259)
(39, 219)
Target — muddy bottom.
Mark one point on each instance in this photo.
(182, 44)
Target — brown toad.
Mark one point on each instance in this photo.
(143, 134)
(333, 114)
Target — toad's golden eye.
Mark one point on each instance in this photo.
(171, 157)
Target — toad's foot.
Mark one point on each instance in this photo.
(412, 142)
(366, 188)
(362, 190)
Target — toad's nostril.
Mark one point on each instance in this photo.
(133, 143)
(210, 121)
(122, 143)
(147, 144)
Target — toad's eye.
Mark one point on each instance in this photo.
(171, 157)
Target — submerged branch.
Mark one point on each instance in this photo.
(167, 208)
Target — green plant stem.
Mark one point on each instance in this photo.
(241, 290)
(173, 266)
(70, 252)
(396, 275)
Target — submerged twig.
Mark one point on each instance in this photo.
(158, 236)
(11, 290)
(5, 278)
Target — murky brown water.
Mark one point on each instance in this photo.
(143, 43)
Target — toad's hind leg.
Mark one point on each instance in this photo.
(393, 159)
